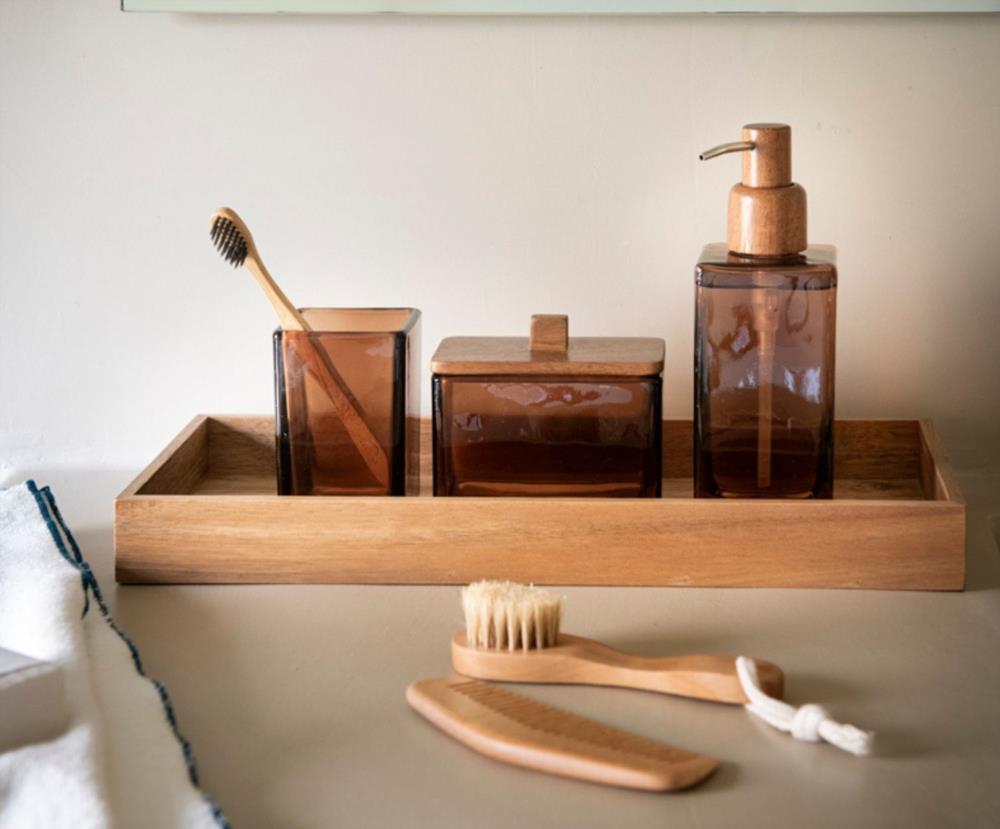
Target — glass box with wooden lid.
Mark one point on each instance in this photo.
(549, 415)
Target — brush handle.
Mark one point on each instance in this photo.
(325, 373)
(288, 314)
(578, 661)
(347, 408)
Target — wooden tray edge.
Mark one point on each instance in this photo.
(165, 538)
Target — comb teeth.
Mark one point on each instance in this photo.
(503, 615)
(555, 722)
(229, 241)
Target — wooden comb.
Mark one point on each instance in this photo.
(520, 731)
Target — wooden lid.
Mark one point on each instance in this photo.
(550, 351)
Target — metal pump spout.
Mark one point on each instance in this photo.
(731, 147)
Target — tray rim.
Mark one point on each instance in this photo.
(951, 492)
(892, 543)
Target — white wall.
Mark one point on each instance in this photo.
(482, 170)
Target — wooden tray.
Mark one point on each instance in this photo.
(205, 510)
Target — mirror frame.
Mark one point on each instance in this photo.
(562, 7)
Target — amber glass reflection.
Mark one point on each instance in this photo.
(571, 436)
(376, 353)
(764, 374)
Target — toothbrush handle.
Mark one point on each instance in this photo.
(319, 364)
(288, 314)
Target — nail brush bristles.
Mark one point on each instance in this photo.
(503, 615)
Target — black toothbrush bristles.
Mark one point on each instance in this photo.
(229, 241)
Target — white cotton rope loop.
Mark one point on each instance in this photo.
(810, 722)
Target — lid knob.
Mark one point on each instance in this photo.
(550, 332)
(767, 210)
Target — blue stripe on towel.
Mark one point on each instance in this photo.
(61, 535)
(57, 539)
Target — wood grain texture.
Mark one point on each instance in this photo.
(936, 473)
(767, 221)
(574, 660)
(767, 210)
(592, 356)
(514, 729)
(769, 164)
(231, 528)
(180, 466)
(549, 332)
(238, 448)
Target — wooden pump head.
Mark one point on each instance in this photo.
(767, 210)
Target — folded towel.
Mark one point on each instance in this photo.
(121, 762)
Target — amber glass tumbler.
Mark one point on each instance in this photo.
(765, 337)
(347, 403)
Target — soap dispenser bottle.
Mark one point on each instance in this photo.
(764, 338)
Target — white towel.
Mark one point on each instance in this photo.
(121, 762)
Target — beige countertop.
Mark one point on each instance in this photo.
(292, 696)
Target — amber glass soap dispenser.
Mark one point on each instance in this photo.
(764, 338)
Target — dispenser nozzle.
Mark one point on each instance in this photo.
(731, 147)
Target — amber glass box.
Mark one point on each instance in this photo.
(548, 415)
(347, 403)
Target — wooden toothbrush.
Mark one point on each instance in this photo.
(234, 241)
(512, 635)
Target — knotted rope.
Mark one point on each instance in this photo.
(811, 723)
